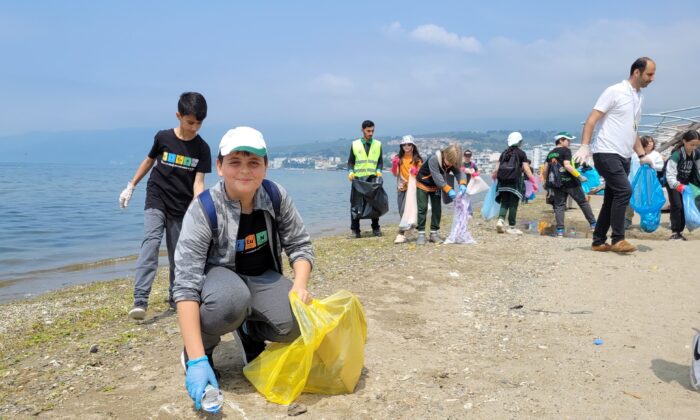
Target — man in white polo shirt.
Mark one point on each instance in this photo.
(619, 110)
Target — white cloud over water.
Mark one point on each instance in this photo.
(437, 35)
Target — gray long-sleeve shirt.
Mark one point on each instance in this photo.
(195, 251)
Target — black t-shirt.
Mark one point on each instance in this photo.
(170, 185)
(253, 253)
(560, 154)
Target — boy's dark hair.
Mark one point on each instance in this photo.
(467, 152)
(640, 64)
(645, 140)
(367, 123)
(194, 104)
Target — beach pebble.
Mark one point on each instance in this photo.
(296, 409)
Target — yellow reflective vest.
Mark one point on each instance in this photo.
(366, 165)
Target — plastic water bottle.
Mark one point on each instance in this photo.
(212, 399)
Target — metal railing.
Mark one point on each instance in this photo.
(667, 127)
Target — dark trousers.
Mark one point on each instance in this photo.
(355, 224)
(615, 170)
(677, 214)
(436, 206)
(576, 193)
(509, 206)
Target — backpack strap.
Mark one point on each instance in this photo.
(274, 193)
(210, 211)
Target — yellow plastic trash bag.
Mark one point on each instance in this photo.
(327, 358)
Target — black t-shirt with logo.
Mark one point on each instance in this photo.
(253, 252)
(560, 154)
(170, 185)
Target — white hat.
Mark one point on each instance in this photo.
(243, 139)
(563, 135)
(408, 139)
(514, 138)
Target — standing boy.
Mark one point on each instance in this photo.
(365, 160)
(565, 181)
(181, 159)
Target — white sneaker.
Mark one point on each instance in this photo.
(514, 231)
(501, 226)
(400, 239)
(137, 313)
(695, 363)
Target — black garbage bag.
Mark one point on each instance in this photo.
(368, 200)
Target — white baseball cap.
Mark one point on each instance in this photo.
(408, 139)
(243, 139)
(514, 138)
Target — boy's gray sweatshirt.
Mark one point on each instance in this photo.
(195, 253)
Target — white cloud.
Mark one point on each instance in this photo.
(332, 84)
(437, 35)
(393, 27)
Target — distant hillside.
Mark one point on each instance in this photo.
(479, 140)
(130, 146)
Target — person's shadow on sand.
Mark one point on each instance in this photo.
(672, 372)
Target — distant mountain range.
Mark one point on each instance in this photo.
(480, 140)
(130, 146)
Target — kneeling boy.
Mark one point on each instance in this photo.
(228, 275)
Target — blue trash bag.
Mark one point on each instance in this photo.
(647, 198)
(593, 179)
(491, 208)
(634, 168)
(690, 207)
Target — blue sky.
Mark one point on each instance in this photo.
(307, 71)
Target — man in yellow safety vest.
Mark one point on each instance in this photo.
(365, 160)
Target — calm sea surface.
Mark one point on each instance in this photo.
(61, 224)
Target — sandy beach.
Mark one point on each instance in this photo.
(504, 328)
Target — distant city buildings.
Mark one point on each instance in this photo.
(485, 158)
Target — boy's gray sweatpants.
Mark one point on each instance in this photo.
(228, 299)
(560, 194)
(154, 224)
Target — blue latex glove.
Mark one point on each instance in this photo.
(199, 374)
(452, 194)
(462, 189)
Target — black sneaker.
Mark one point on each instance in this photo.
(250, 348)
(677, 237)
(377, 232)
(357, 233)
(184, 359)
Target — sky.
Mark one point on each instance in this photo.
(307, 71)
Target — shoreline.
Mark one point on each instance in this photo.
(501, 328)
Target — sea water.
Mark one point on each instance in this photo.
(61, 224)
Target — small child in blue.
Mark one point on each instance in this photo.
(179, 158)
